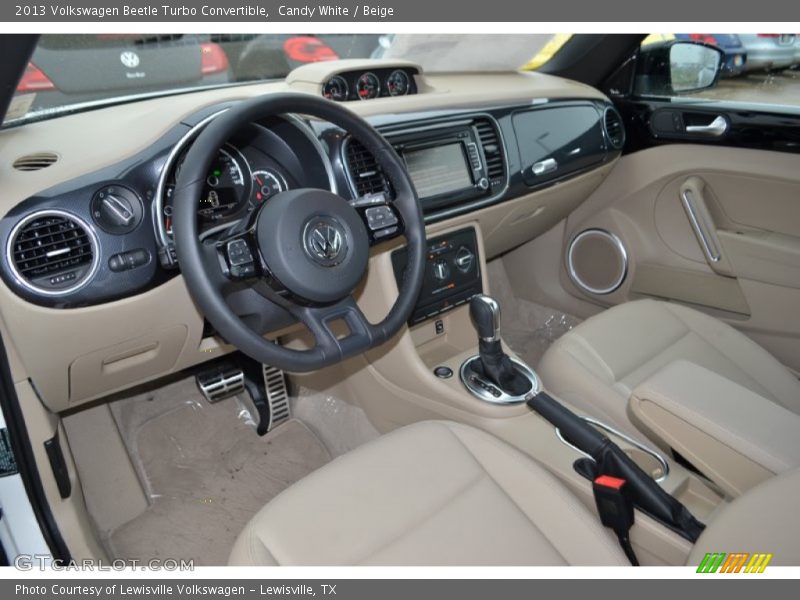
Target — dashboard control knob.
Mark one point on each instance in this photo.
(465, 258)
(483, 183)
(116, 209)
(441, 270)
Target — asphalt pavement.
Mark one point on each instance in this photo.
(769, 88)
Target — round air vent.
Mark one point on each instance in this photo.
(35, 161)
(52, 252)
(597, 261)
(615, 131)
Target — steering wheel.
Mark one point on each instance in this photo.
(305, 250)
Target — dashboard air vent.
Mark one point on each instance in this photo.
(36, 161)
(615, 132)
(52, 253)
(492, 149)
(366, 175)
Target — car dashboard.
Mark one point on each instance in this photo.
(90, 234)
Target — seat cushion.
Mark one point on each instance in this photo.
(595, 366)
(764, 519)
(433, 493)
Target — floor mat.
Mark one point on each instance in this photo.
(340, 425)
(205, 471)
(528, 328)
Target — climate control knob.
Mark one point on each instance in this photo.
(465, 258)
(441, 270)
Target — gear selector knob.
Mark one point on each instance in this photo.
(485, 314)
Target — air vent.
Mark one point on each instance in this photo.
(492, 149)
(615, 132)
(36, 161)
(366, 175)
(52, 253)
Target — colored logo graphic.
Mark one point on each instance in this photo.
(738, 562)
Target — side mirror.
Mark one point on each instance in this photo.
(675, 67)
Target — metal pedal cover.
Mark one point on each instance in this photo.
(277, 396)
(220, 382)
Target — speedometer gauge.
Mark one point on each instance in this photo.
(368, 86)
(266, 184)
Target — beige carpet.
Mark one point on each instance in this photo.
(528, 328)
(205, 470)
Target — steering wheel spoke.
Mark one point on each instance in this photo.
(353, 335)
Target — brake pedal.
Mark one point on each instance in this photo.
(220, 381)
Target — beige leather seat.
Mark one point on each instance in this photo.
(439, 493)
(595, 366)
(434, 493)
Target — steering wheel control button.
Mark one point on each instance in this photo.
(240, 259)
(380, 217)
(384, 233)
(239, 253)
(116, 209)
(125, 261)
(443, 372)
(324, 241)
(373, 199)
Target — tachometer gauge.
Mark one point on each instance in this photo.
(266, 184)
(336, 89)
(368, 86)
(227, 186)
(398, 84)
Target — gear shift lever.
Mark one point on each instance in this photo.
(492, 363)
(485, 314)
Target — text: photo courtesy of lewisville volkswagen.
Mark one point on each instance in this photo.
(408, 300)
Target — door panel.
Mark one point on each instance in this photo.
(745, 207)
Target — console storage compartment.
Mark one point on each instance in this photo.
(732, 435)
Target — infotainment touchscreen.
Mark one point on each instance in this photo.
(438, 169)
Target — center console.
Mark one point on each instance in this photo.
(452, 274)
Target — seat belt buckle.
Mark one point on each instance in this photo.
(614, 503)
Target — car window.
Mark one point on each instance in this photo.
(71, 72)
(762, 68)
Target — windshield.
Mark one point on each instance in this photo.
(72, 72)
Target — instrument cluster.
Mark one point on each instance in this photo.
(368, 85)
(260, 162)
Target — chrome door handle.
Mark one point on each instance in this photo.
(700, 227)
(716, 128)
(547, 165)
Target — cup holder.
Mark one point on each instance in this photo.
(650, 461)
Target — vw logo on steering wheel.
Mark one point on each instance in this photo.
(324, 241)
